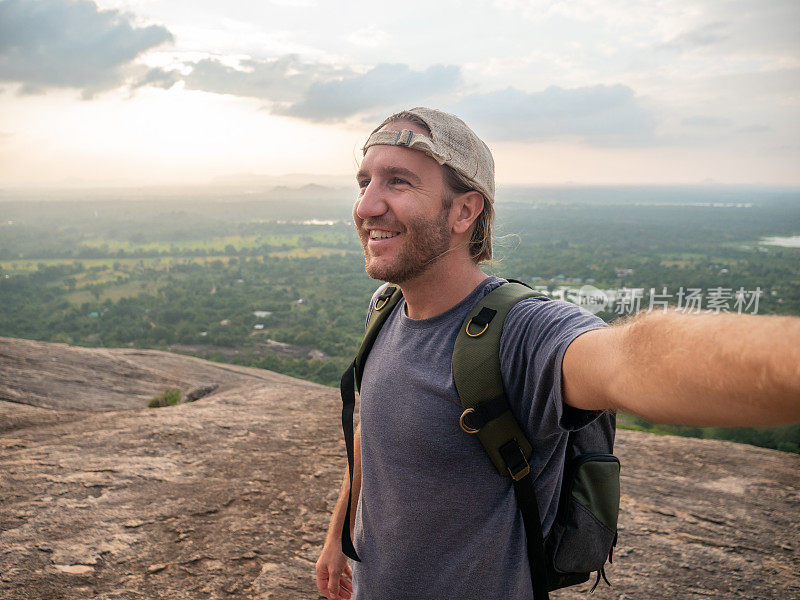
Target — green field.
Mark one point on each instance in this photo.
(129, 289)
(312, 253)
(205, 244)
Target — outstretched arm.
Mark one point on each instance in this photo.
(725, 370)
(334, 575)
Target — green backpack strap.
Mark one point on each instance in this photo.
(384, 305)
(476, 370)
(350, 379)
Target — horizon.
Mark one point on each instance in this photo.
(287, 183)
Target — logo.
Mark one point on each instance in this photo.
(590, 298)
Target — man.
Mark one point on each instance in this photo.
(432, 518)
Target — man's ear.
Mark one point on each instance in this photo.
(467, 207)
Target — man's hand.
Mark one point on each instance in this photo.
(334, 575)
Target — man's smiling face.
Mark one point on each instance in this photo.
(400, 214)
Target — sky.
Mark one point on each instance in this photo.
(162, 92)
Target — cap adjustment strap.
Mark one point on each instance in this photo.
(404, 138)
(407, 139)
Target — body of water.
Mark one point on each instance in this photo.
(788, 242)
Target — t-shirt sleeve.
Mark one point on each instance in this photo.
(536, 334)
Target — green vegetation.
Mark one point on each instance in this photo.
(288, 292)
(170, 397)
(784, 438)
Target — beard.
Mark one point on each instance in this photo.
(424, 243)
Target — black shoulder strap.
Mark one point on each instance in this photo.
(478, 379)
(384, 305)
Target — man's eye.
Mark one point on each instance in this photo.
(363, 183)
(397, 181)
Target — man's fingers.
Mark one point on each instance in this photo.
(333, 585)
(345, 590)
(322, 583)
(346, 586)
(340, 585)
(334, 579)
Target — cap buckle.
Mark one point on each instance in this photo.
(404, 137)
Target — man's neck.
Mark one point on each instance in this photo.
(440, 288)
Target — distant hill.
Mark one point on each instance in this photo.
(294, 180)
(229, 496)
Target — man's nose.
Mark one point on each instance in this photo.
(371, 202)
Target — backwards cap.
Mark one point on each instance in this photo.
(451, 143)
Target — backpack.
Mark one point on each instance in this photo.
(584, 532)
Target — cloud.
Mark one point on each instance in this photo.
(313, 91)
(319, 92)
(751, 29)
(706, 122)
(383, 86)
(294, 3)
(63, 43)
(757, 129)
(600, 114)
(710, 34)
(158, 77)
(368, 37)
(284, 79)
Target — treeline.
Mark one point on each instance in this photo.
(182, 238)
(785, 438)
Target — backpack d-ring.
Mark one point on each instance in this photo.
(462, 421)
(482, 319)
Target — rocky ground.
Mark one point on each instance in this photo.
(229, 496)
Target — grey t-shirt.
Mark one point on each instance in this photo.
(434, 518)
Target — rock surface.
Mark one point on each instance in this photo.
(229, 496)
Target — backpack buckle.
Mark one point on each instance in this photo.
(516, 476)
(516, 463)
